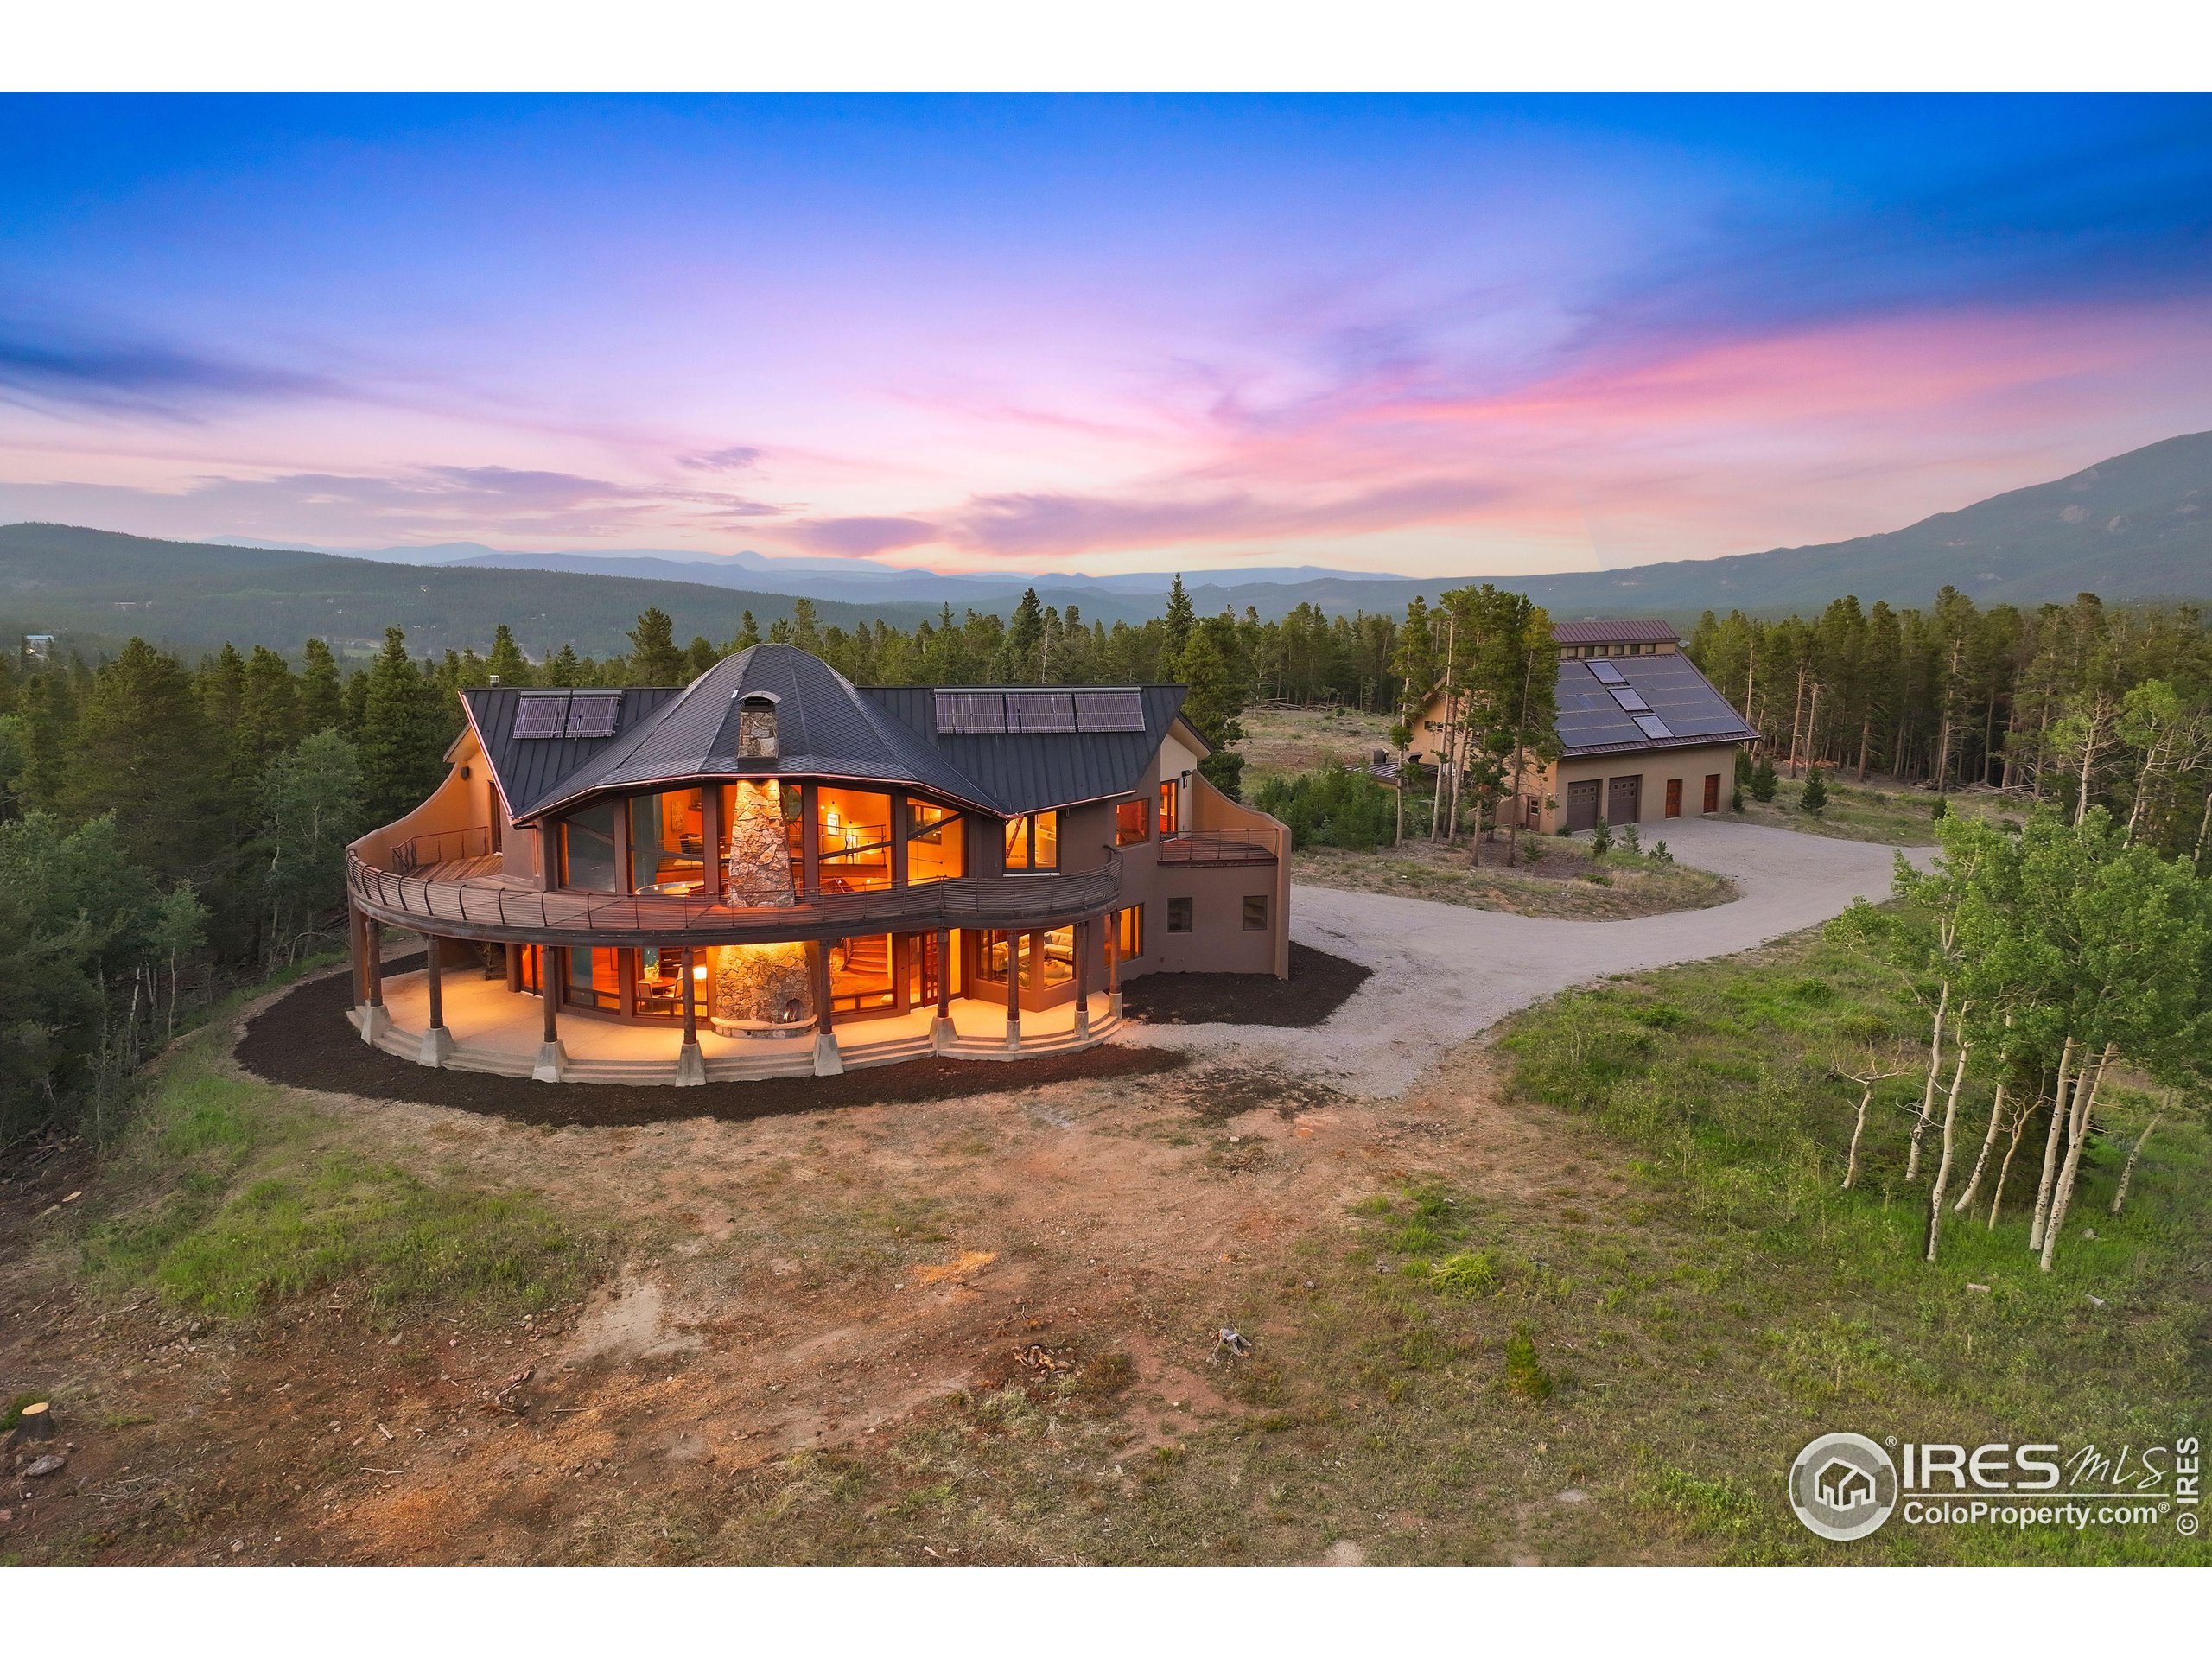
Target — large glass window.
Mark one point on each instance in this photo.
(853, 830)
(1132, 927)
(763, 811)
(997, 947)
(658, 987)
(937, 843)
(1171, 809)
(1059, 956)
(595, 978)
(1033, 842)
(588, 848)
(668, 842)
(859, 973)
(1128, 824)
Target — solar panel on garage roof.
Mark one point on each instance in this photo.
(1109, 711)
(593, 717)
(1631, 699)
(1651, 726)
(541, 716)
(1606, 672)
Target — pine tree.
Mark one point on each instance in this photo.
(323, 695)
(400, 745)
(702, 656)
(565, 668)
(1815, 796)
(654, 659)
(749, 632)
(1017, 649)
(1181, 617)
(507, 664)
(142, 750)
(1217, 695)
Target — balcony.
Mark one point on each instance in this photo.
(452, 885)
(1209, 847)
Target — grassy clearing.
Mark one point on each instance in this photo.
(1901, 817)
(1562, 882)
(227, 1198)
(1618, 1368)
(1305, 739)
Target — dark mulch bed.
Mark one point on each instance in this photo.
(1318, 985)
(303, 1040)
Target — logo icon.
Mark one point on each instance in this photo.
(1843, 1486)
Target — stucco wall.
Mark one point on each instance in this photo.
(1654, 767)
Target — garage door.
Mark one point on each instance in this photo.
(1621, 799)
(1582, 804)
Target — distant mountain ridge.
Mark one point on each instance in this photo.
(2138, 526)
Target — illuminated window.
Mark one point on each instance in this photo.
(656, 988)
(1128, 824)
(853, 830)
(668, 842)
(1132, 932)
(595, 978)
(1033, 842)
(859, 973)
(1058, 955)
(748, 803)
(937, 843)
(1171, 815)
(588, 848)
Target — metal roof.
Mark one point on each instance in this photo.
(1614, 632)
(1593, 720)
(827, 727)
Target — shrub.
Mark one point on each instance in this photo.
(1942, 809)
(1471, 1273)
(1525, 1376)
(1762, 780)
(1815, 794)
(1601, 839)
(1736, 799)
(1335, 808)
(1629, 844)
(1660, 855)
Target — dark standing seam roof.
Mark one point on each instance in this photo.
(1612, 633)
(530, 768)
(825, 727)
(1591, 721)
(1028, 772)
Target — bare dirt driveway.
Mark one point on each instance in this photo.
(1444, 973)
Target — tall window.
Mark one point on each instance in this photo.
(937, 843)
(853, 830)
(1132, 932)
(859, 973)
(595, 978)
(1171, 809)
(1057, 952)
(668, 842)
(1033, 842)
(1128, 824)
(588, 848)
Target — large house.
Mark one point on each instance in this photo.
(1643, 736)
(773, 871)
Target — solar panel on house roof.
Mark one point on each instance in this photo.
(1040, 711)
(1606, 672)
(541, 716)
(1651, 726)
(1109, 711)
(1631, 699)
(593, 717)
(960, 712)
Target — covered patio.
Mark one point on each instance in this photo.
(491, 1028)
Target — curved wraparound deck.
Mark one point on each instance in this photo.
(471, 899)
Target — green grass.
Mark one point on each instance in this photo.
(227, 1198)
(1902, 818)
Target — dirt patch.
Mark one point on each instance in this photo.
(1221, 1094)
(1318, 985)
(302, 1039)
(1559, 878)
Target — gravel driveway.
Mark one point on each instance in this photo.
(1444, 972)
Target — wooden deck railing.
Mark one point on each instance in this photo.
(417, 898)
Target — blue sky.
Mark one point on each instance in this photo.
(1479, 335)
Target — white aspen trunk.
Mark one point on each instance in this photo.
(2205, 829)
(2088, 762)
(1988, 1145)
(1928, 1094)
(2127, 1169)
(1858, 1128)
(1943, 1163)
(2058, 1104)
(2085, 1102)
(2005, 1170)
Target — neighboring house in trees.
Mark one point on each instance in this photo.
(1643, 736)
(772, 853)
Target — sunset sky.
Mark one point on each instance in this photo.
(1435, 336)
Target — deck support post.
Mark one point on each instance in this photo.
(438, 1041)
(375, 1019)
(1082, 942)
(690, 1061)
(942, 1035)
(1015, 943)
(552, 1058)
(1114, 965)
(828, 1062)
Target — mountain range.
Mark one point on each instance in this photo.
(2138, 526)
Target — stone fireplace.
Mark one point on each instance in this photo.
(760, 990)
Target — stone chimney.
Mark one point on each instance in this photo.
(756, 728)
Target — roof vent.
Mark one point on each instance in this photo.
(756, 727)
